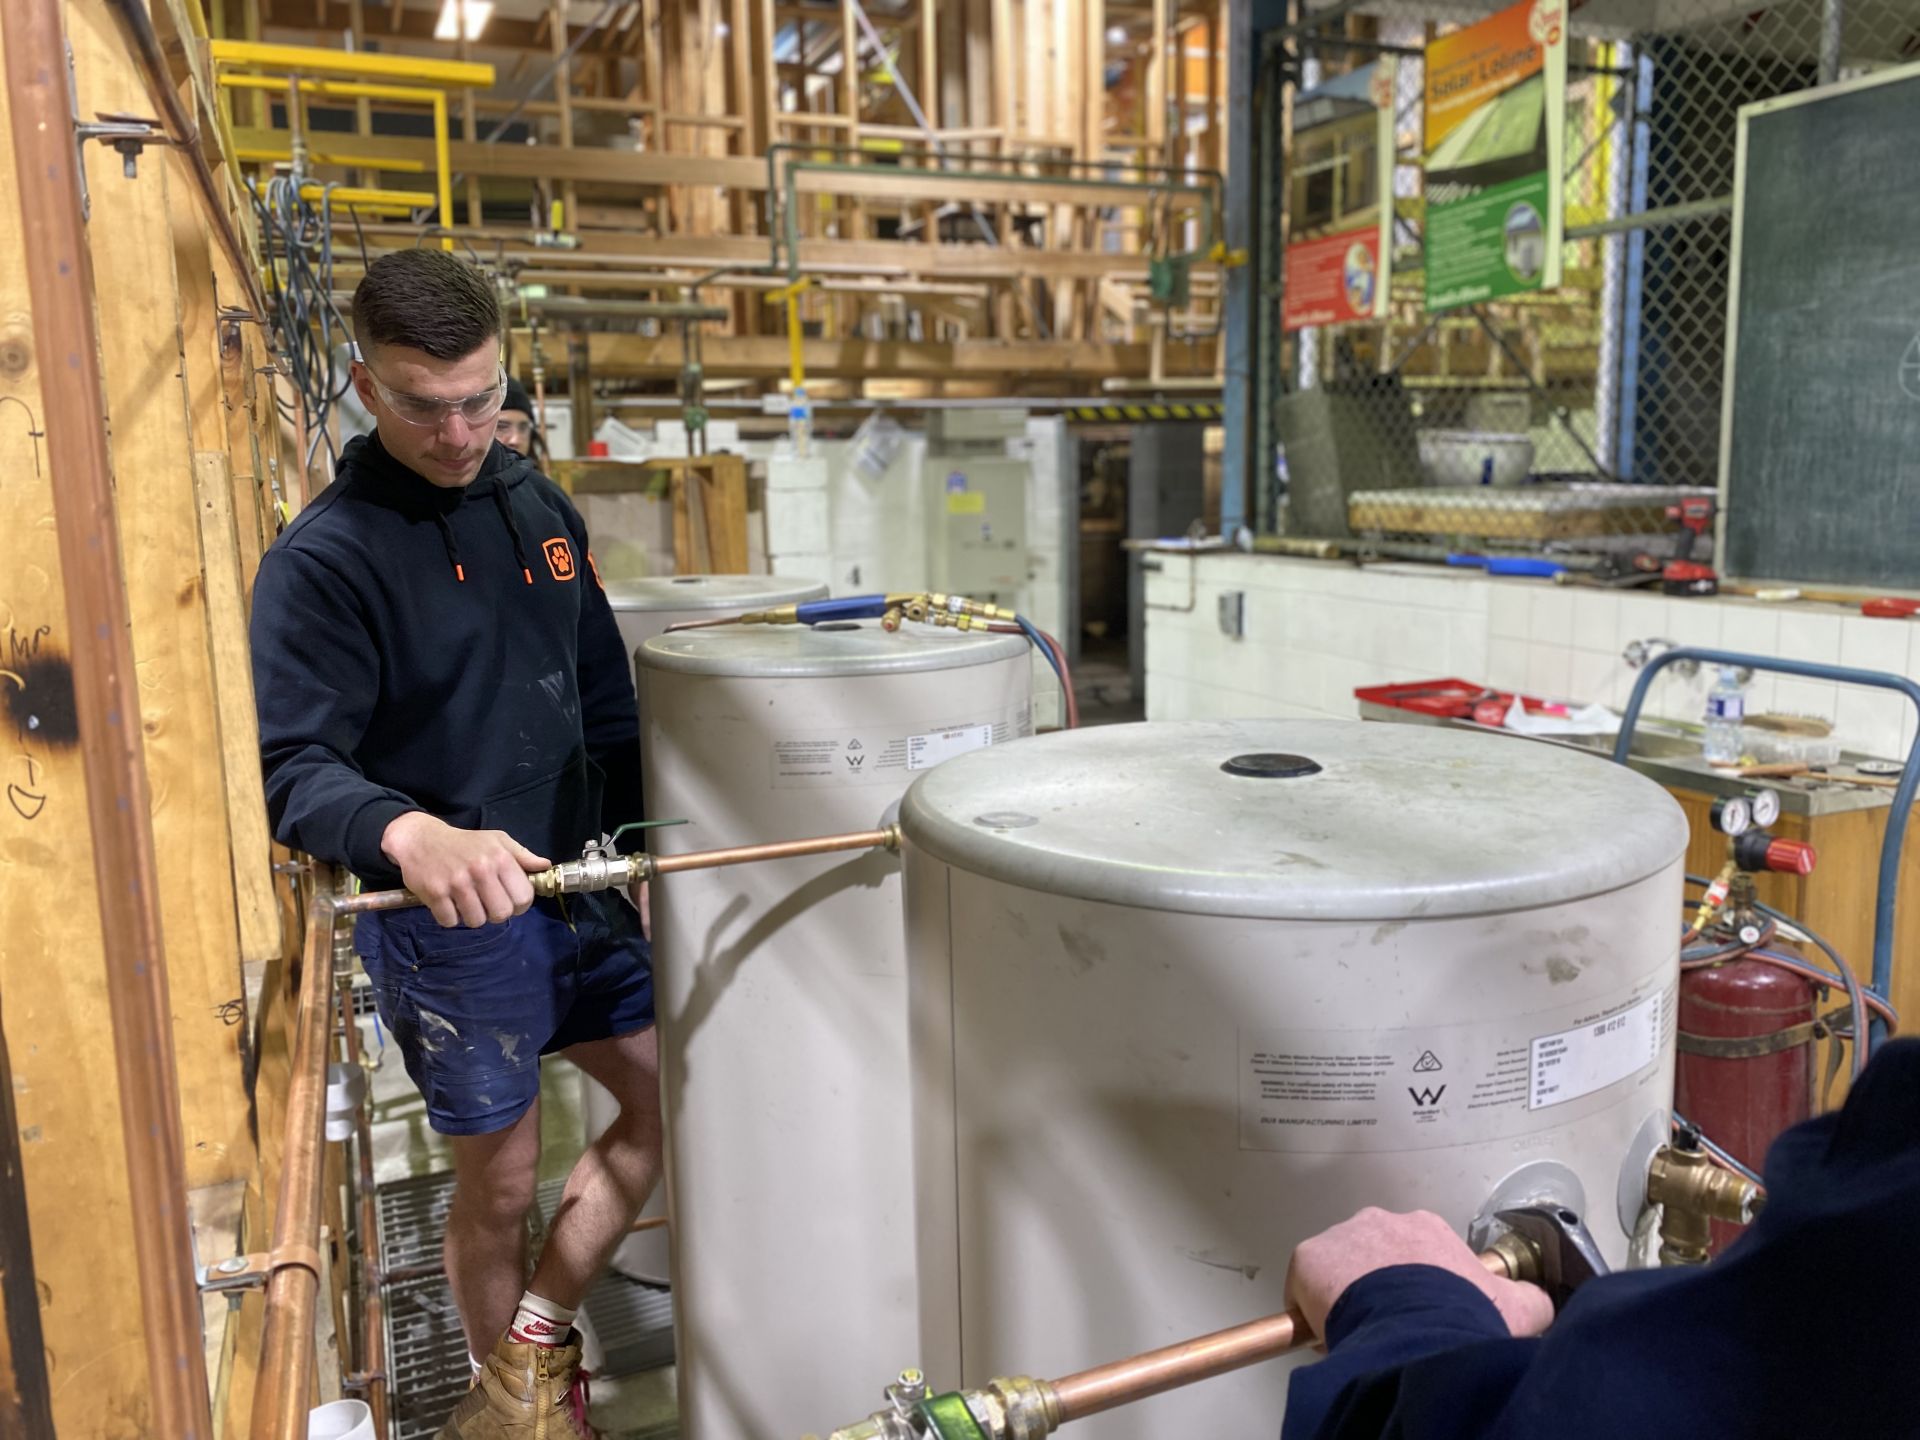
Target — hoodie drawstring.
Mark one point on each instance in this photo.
(513, 530)
(453, 546)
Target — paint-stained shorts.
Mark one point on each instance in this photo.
(472, 1011)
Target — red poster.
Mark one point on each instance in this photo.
(1332, 280)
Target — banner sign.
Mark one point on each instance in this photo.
(1339, 278)
(1495, 147)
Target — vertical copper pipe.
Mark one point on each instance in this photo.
(371, 1355)
(283, 1391)
(67, 347)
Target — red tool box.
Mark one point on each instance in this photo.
(1453, 700)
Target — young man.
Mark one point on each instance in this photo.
(514, 426)
(445, 703)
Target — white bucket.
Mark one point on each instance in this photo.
(340, 1420)
(346, 1088)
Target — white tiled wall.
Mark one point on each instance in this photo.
(1317, 629)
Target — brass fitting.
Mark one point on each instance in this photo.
(779, 615)
(1519, 1257)
(1016, 1407)
(1693, 1192)
(592, 872)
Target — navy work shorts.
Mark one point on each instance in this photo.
(474, 1010)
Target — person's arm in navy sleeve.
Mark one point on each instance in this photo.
(315, 680)
(1822, 1286)
(1384, 1291)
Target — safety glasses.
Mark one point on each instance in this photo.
(429, 413)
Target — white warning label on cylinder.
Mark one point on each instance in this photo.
(1422, 1087)
(926, 751)
(861, 756)
(1591, 1057)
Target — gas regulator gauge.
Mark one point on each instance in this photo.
(1765, 807)
(1732, 815)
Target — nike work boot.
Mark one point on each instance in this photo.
(525, 1392)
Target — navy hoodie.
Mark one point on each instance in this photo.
(1804, 1328)
(423, 648)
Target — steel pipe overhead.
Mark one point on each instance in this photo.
(106, 696)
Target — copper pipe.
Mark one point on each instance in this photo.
(283, 1389)
(371, 1355)
(184, 134)
(648, 866)
(883, 839)
(106, 697)
(1124, 1381)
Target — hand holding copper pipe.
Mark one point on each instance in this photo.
(601, 871)
(1544, 1246)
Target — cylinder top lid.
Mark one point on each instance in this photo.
(711, 592)
(1296, 819)
(860, 648)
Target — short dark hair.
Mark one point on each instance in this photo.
(426, 299)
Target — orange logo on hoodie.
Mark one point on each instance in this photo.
(559, 557)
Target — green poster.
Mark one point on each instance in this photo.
(1496, 121)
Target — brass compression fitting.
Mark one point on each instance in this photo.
(1693, 1192)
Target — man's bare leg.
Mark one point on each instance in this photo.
(485, 1250)
(613, 1177)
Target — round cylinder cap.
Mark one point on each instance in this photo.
(858, 648)
(711, 592)
(1397, 822)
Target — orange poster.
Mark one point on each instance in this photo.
(1495, 132)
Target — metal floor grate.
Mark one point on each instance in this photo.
(428, 1356)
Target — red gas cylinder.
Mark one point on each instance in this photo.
(1746, 1059)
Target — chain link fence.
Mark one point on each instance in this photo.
(1564, 421)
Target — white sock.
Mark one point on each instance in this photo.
(477, 1366)
(540, 1322)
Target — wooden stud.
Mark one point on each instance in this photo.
(563, 92)
(139, 317)
(469, 131)
(362, 107)
(1155, 127)
(856, 214)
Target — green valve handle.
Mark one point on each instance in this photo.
(947, 1417)
(614, 839)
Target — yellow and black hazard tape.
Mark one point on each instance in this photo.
(1124, 412)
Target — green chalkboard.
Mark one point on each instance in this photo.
(1822, 464)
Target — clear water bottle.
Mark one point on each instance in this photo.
(1726, 709)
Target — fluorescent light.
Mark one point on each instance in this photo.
(477, 13)
(1115, 36)
(722, 30)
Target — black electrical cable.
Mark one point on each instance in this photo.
(297, 238)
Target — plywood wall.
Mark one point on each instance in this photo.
(185, 433)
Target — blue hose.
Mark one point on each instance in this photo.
(847, 607)
(1903, 794)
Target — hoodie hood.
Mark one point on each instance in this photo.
(383, 480)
